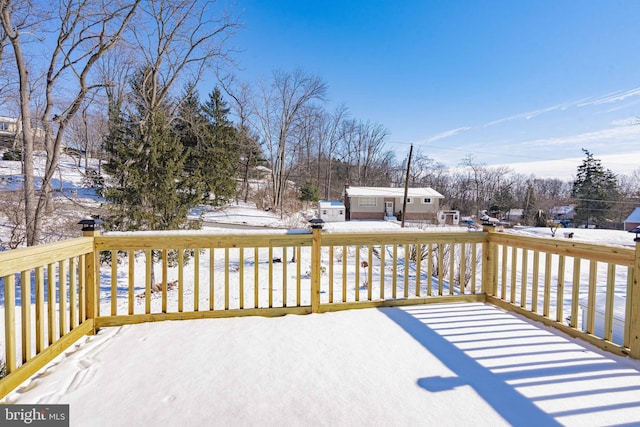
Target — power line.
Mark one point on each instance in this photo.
(509, 155)
(607, 201)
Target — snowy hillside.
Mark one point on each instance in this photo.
(74, 200)
(606, 237)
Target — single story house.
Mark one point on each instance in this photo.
(563, 212)
(10, 129)
(379, 203)
(331, 210)
(513, 215)
(633, 220)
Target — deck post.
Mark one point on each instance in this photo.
(91, 228)
(634, 324)
(489, 262)
(316, 247)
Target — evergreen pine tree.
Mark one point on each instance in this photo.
(309, 192)
(146, 161)
(211, 140)
(192, 129)
(219, 156)
(594, 190)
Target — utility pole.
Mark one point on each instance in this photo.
(406, 188)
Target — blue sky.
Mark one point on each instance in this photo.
(509, 82)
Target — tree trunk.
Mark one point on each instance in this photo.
(31, 231)
(245, 178)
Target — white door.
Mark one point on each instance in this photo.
(388, 208)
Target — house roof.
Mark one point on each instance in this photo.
(562, 210)
(324, 204)
(634, 216)
(391, 192)
(515, 212)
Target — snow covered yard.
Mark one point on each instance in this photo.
(443, 364)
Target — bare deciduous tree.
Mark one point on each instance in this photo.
(241, 95)
(179, 40)
(278, 110)
(114, 71)
(361, 149)
(81, 32)
(172, 39)
(85, 133)
(330, 136)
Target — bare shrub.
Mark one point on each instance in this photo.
(442, 251)
(12, 208)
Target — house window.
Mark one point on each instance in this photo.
(340, 212)
(408, 200)
(367, 202)
(324, 212)
(4, 126)
(426, 200)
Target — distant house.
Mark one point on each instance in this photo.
(563, 212)
(331, 210)
(513, 215)
(386, 203)
(10, 129)
(633, 220)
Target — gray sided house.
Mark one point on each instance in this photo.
(513, 215)
(379, 203)
(563, 212)
(633, 220)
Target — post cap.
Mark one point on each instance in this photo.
(316, 223)
(91, 224)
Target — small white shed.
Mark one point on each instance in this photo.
(450, 217)
(331, 210)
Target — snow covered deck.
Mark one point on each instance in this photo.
(437, 364)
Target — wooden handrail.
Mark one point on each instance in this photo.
(62, 265)
(519, 273)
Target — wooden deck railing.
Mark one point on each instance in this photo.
(54, 294)
(586, 290)
(48, 302)
(199, 276)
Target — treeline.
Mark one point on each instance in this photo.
(284, 146)
(318, 150)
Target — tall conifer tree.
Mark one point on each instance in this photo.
(146, 161)
(594, 189)
(220, 154)
(213, 147)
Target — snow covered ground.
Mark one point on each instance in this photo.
(451, 364)
(598, 236)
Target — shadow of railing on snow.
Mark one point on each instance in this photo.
(479, 366)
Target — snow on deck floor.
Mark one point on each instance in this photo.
(446, 364)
